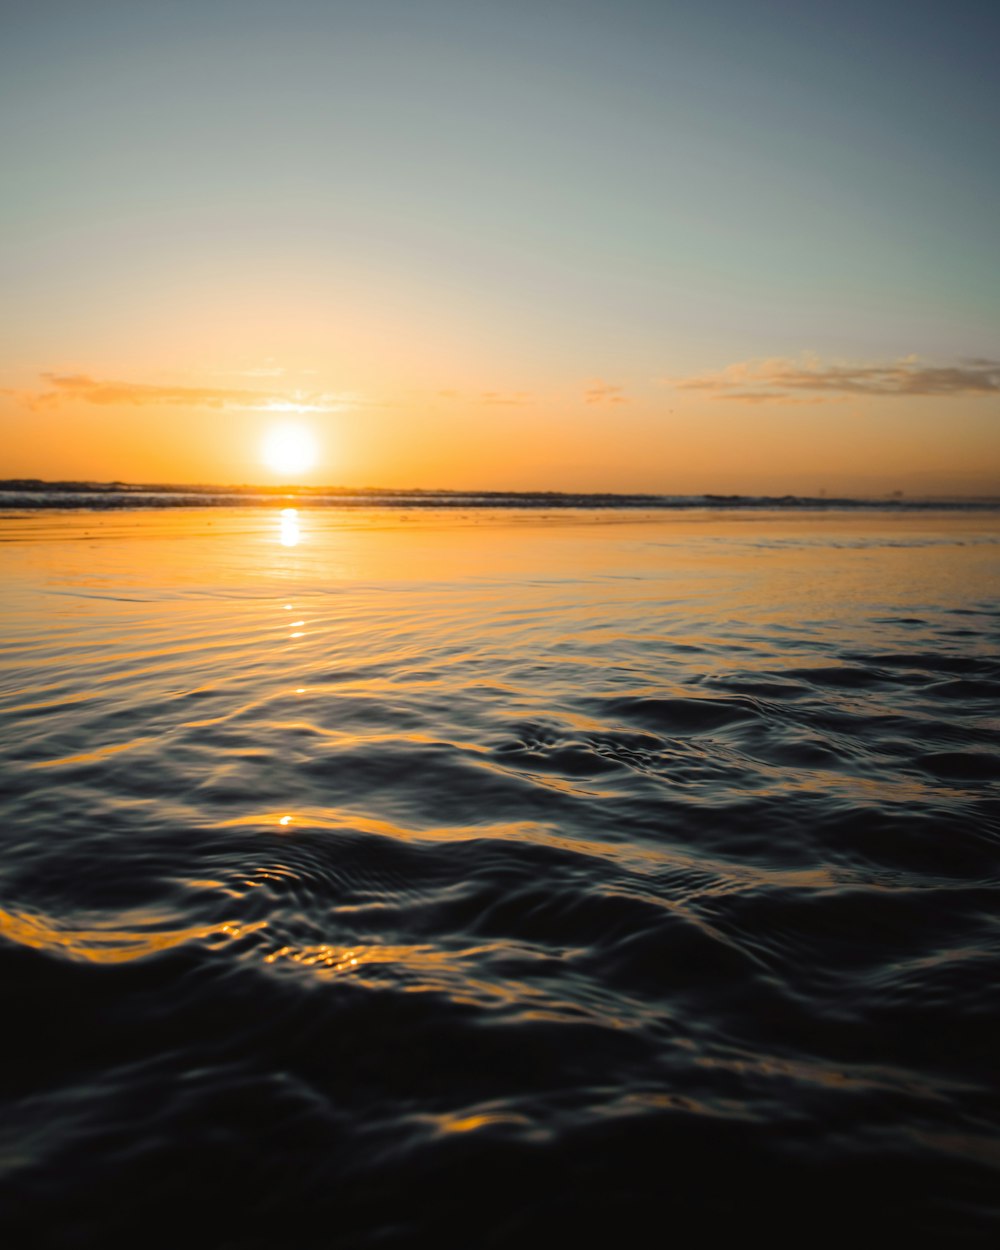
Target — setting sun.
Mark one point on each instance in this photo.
(289, 449)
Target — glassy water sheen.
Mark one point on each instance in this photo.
(498, 879)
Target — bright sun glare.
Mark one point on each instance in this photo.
(289, 449)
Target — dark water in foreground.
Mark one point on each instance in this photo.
(490, 880)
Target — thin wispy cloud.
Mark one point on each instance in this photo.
(80, 388)
(515, 398)
(810, 379)
(604, 393)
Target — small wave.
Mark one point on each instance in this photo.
(489, 886)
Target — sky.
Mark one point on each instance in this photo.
(725, 245)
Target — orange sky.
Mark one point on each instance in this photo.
(673, 436)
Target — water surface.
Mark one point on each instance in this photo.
(487, 878)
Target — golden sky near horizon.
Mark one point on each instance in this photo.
(666, 248)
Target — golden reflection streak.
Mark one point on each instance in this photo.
(733, 877)
(422, 958)
(470, 1123)
(290, 535)
(110, 946)
(426, 969)
(343, 958)
(91, 757)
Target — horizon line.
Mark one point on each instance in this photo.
(17, 485)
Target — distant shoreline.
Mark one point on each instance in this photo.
(34, 494)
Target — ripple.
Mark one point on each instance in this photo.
(626, 877)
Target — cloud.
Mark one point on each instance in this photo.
(79, 388)
(604, 393)
(488, 397)
(809, 379)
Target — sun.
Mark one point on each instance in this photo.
(289, 449)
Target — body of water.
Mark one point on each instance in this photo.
(488, 878)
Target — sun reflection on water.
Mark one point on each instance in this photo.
(290, 535)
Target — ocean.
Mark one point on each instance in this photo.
(488, 876)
